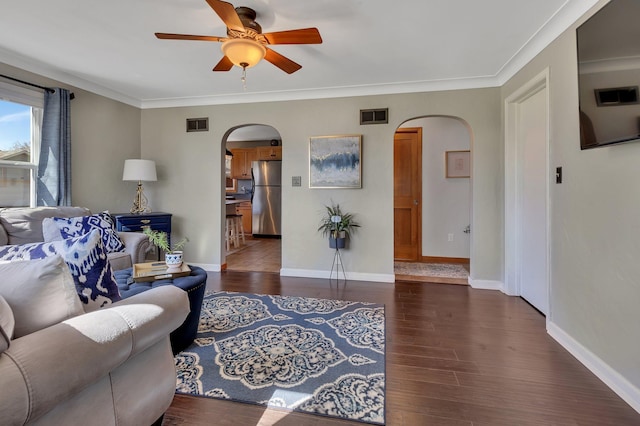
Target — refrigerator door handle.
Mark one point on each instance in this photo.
(253, 185)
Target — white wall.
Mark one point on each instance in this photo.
(445, 201)
(190, 173)
(595, 235)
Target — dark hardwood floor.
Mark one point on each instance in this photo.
(455, 356)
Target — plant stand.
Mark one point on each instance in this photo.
(337, 264)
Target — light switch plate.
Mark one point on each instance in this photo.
(296, 180)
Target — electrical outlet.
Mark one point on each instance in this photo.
(450, 237)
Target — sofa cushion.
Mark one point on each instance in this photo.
(87, 261)
(40, 293)
(24, 225)
(4, 238)
(7, 324)
(60, 228)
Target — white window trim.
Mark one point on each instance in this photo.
(34, 99)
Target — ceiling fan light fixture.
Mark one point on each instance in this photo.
(243, 52)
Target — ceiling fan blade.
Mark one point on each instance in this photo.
(301, 36)
(227, 13)
(168, 36)
(285, 64)
(225, 64)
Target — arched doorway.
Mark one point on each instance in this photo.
(252, 229)
(440, 191)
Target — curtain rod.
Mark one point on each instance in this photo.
(48, 89)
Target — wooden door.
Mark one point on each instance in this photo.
(407, 194)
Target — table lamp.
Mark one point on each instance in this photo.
(140, 170)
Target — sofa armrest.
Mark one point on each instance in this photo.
(136, 244)
(55, 363)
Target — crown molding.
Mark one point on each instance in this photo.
(324, 93)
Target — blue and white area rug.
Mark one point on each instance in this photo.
(310, 355)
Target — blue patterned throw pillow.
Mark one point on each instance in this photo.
(87, 261)
(69, 227)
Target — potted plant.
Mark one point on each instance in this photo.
(337, 225)
(173, 252)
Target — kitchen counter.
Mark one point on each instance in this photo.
(231, 205)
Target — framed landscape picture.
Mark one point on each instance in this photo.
(458, 164)
(335, 161)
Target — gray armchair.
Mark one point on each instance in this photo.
(107, 367)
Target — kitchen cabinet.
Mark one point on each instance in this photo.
(245, 210)
(241, 162)
(269, 153)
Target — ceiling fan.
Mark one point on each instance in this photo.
(245, 44)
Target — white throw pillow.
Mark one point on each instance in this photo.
(60, 228)
(40, 293)
(7, 323)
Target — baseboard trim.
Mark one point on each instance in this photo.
(351, 276)
(311, 273)
(621, 386)
(486, 284)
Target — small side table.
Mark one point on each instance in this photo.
(157, 221)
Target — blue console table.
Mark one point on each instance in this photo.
(158, 221)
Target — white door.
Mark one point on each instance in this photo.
(531, 222)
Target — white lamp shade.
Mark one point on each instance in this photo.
(139, 170)
(243, 52)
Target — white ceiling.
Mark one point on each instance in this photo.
(369, 46)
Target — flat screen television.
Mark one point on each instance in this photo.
(609, 75)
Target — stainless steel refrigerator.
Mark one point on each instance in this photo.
(266, 196)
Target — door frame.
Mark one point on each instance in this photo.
(513, 187)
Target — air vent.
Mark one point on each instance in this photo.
(617, 96)
(374, 116)
(198, 124)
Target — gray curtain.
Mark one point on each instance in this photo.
(54, 165)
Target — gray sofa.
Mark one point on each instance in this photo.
(21, 225)
(113, 366)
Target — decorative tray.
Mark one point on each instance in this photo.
(151, 271)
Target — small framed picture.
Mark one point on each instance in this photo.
(457, 164)
(335, 161)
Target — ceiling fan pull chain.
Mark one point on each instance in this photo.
(244, 78)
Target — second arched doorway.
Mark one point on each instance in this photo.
(432, 200)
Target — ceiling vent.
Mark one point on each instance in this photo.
(198, 124)
(617, 96)
(374, 116)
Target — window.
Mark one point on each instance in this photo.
(20, 121)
